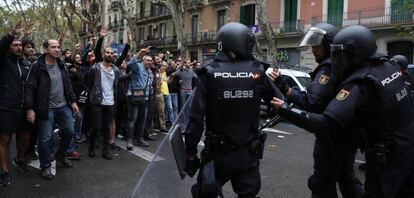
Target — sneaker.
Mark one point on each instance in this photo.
(115, 147)
(5, 179)
(64, 162)
(33, 155)
(119, 136)
(78, 140)
(21, 165)
(141, 142)
(73, 155)
(129, 146)
(47, 173)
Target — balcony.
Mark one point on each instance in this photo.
(202, 38)
(116, 24)
(115, 5)
(372, 18)
(195, 4)
(152, 16)
(158, 42)
(291, 27)
(218, 2)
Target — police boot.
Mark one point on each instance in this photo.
(129, 144)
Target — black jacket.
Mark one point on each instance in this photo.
(11, 78)
(37, 91)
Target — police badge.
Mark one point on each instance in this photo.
(323, 80)
(343, 94)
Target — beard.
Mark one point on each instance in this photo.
(108, 59)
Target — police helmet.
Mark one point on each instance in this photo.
(236, 38)
(356, 43)
(401, 61)
(321, 34)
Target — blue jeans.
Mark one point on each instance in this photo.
(137, 116)
(78, 132)
(185, 110)
(174, 102)
(169, 112)
(63, 117)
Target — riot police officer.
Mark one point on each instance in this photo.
(228, 97)
(333, 156)
(373, 97)
(402, 62)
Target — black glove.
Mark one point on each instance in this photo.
(192, 166)
(283, 87)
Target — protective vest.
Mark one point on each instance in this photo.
(390, 111)
(234, 90)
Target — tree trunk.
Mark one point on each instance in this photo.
(267, 31)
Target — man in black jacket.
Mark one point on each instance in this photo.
(13, 72)
(49, 98)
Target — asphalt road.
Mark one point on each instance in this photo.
(286, 166)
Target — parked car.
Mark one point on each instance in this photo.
(410, 70)
(297, 80)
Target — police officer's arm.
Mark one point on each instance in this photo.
(318, 94)
(338, 114)
(197, 114)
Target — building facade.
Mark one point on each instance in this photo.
(290, 19)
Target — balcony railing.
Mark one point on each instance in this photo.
(116, 24)
(194, 4)
(170, 40)
(288, 26)
(216, 2)
(372, 17)
(153, 14)
(202, 37)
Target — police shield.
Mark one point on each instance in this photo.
(165, 175)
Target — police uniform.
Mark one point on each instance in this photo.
(228, 96)
(334, 156)
(376, 99)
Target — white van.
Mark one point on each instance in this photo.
(296, 79)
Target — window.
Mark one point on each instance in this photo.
(400, 12)
(291, 8)
(335, 12)
(248, 14)
(115, 20)
(221, 18)
(109, 21)
(194, 27)
(141, 9)
(162, 30)
(401, 47)
(141, 35)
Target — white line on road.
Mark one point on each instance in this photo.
(276, 131)
(360, 161)
(146, 155)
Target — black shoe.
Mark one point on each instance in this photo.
(32, 156)
(91, 152)
(21, 165)
(5, 179)
(63, 162)
(149, 138)
(107, 155)
(164, 130)
(141, 142)
(115, 147)
(47, 173)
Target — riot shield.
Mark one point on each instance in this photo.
(165, 176)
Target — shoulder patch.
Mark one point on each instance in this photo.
(343, 94)
(323, 80)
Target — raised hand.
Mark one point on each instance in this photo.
(28, 29)
(104, 31)
(16, 29)
(129, 37)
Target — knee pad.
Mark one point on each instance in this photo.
(321, 187)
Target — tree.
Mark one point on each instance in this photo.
(267, 31)
(177, 9)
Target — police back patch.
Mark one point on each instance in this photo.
(343, 94)
(323, 80)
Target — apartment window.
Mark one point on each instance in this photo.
(221, 18)
(291, 7)
(194, 27)
(248, 14)
(141, 9)
(335, 12)
(401, 47)
(116, 20)
(109, 21)
(162, 30)
(141, 34)
(400, 12)
(150, 32)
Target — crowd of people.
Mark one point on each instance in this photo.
(84, 94)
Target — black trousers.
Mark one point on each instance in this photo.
(121, 117)
(238, 167)
(150, 115)
(334, 163)
(102, 121)
(395, 178)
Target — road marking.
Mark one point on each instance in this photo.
(360, 161)
(137, 151)
(276, 131)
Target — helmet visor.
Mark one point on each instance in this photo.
(313, 37)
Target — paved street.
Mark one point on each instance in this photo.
(285, 169)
